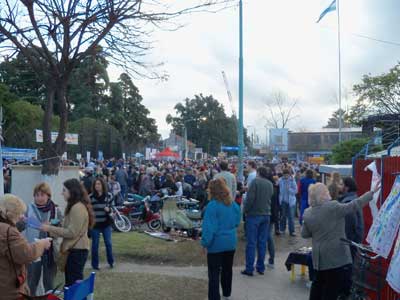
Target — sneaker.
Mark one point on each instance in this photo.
(244, 272)
(111, 266)
(293, 234)
(96, 268)
(271, 266)
(226, 298)
(260, 273)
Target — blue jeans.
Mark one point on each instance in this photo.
(287, 214)
(271, 245)
(257, 231)
(124, 189)
(106, 232)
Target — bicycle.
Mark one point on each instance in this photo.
(367, 272)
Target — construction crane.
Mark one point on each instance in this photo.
(228, 91)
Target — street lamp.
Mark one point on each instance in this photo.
(240, 133)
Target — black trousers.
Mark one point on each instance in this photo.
(220, 266)
(75, 264)
(330, 284)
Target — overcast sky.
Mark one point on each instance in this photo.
(284, 49)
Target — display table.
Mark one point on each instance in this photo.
(303, 258)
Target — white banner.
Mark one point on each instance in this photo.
(88, 156)
(70, 138)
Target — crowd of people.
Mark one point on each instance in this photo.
(267, 202)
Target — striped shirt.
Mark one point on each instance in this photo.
(99, 204)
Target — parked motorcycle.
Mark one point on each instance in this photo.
(139, 213)
(121, 222)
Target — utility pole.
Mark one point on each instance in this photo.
(1, 153)
(240, 131)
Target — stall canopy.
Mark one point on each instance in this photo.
(343, 170)
(167, 153)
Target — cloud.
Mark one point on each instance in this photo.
(284, 50)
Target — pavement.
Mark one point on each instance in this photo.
(274, 285)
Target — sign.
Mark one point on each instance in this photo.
(100, 155)
(70, 138)
(19, 154)
(78, 156)
(278, 139)
(64, 156)
(148, 154)
(123, 156)
(229, 148)
(88, 156)
(198, 150)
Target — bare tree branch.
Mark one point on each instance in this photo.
(280, 109)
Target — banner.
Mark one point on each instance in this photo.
(19, 154)
(78, 156)
(385, 226)
(88, 156)
(70, 138)
(393, 277)
(376, 179)
(100, 156)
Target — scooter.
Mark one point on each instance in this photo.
(179, 219)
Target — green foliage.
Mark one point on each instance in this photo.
(333, 121)
(377, 95)
(207, 124)
(343, 153)
(117, 107)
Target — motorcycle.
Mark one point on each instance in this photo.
(121, 222)
(139, 213)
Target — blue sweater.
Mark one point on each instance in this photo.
(219, 227)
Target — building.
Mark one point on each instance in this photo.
(320, 140)
(177, 143)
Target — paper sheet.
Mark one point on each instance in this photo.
(393, 275)
(376, 179)
(383, 231)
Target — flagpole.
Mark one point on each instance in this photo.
(340, 73)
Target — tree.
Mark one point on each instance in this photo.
(129, 116)
(333, 121)
(206, 122)
(344, 152)
(280, 109)
(55, 36)
(377, 95)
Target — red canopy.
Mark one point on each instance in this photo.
(167, 153)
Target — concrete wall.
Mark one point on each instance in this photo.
(24, 179)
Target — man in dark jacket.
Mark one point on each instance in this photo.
(257, 209)
(354, 221)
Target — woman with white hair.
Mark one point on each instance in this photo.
(324, 222)
(15, 252)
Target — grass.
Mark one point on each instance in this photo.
(140, 286)
(119, 286)
(140, 248)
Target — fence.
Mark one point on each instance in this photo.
(387, 167)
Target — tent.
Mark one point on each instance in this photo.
(167, 154)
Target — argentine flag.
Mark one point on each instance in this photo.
(330, 8)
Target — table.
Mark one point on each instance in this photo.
(301, 257)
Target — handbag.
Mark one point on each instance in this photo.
(63, 255)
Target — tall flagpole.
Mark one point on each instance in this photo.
(240, 129)
(340, 74)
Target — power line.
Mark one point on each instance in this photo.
(363, 36)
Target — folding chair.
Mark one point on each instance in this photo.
(81, 290)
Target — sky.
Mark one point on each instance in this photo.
(284, 50)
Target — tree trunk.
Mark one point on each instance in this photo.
(53, 152)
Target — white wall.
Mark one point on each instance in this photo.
(24, 179)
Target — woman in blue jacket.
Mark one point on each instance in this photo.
(219, 237)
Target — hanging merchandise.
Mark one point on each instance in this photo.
(384, 228)
(376, 179)
(393, 277)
